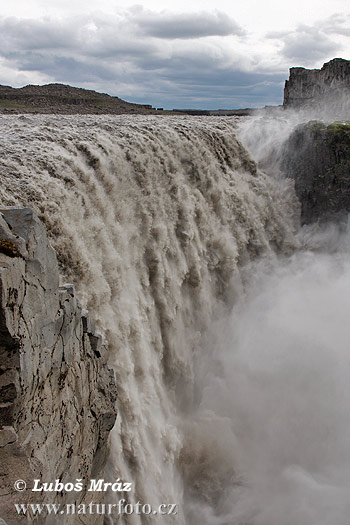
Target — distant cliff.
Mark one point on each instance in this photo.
(307, 87)
(64, 99)
(57, 394)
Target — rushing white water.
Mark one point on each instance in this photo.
(232, 391)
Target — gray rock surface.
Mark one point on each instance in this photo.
(57, 394)
(330, 84)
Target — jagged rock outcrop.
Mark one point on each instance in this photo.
(308, 87)
(317, 157)
(57, 394)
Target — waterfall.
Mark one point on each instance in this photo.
(231, 394)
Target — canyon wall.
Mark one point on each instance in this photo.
(57, 394)
(307, 87)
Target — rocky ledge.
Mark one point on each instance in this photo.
(57, 394)
(317, 157)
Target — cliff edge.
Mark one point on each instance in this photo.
(307, 87)
(57, 394)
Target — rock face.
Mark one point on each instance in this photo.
(57, 395)
(317, 157)
(307, 87)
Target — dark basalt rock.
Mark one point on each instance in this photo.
(317, 157)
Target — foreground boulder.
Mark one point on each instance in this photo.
(57, 394)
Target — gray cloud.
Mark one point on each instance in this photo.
(21, 34)
(58, 66)
(308, 44)
(337, 24)
(126, 55)
(194, 25)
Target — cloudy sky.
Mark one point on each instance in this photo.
(198, 54)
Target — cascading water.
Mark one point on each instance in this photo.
(231, 395)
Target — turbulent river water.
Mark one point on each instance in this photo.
(227, 325)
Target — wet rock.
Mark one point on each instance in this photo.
(317, 157)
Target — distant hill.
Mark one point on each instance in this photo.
(67, 100)
(64, 99)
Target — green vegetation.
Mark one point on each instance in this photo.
(335, 127)
(314, 125)
(16, 106)
(340, 127)
(336, 133)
